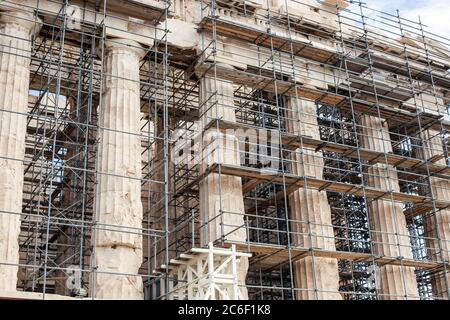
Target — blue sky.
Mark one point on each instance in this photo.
(435, 14)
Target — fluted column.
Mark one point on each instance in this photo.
(118, 242)
(389, 231)
(437, 226)
(16, 30)
(311, 226)
(221, 200)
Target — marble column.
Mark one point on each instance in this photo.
(118, 206)
(389, 231)
(311, 226)
(16, 31)
(437, 226)
(221, 199)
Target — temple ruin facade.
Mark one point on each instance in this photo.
(222, 149)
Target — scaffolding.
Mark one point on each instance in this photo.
(307, 135)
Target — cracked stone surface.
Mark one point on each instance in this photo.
(317, 278)
(118, 242)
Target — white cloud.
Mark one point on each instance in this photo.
(435, 14)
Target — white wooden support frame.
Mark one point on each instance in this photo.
(206, 274)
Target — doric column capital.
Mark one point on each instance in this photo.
(201, 68)
(22, 19)
(119, 44)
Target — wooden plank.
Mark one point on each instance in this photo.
(249, 33)
(292, 141)
(268, 256)
(307, 50)
(294, 181)
(149, 10)
(383, 89)
(418, 71)
(395, 116)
